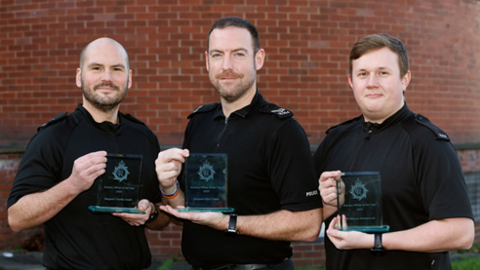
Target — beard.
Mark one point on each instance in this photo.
(104, 103)
(234, 91)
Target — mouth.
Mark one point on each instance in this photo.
(106, 87)
(228, 79)
(373, 96)
(228, 76)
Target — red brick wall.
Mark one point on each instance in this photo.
(8, 168)
(307, 45)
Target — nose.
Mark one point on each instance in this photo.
(227, 63)
(107, 76)
(372, 81)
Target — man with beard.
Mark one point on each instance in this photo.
(271, 180)
(55, 186)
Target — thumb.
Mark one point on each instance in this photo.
(143, 205)
(332, 233)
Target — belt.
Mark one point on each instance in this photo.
(237, 266)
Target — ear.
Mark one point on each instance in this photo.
(259, 59)
(406, 80)
(78, 78)
(206, 60)
(129, 79)
(350, 81)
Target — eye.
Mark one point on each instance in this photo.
(362, 74)
(215, 55)
(239, 54)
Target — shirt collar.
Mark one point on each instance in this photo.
(105, 125)
(395, 118)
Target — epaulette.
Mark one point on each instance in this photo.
(52, 121)
(422, 120)
(133, 119)
(276, 110)
(344, 123)
(204, 108)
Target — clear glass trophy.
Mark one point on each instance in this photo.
(119, 187)
(362, 206)
(206, 178)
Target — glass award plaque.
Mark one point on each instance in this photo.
(119, 187)
(362, 208)
(206, 177)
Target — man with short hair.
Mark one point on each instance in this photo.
(424, 196)
(55, 183)
(271, 179)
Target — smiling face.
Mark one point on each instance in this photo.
(104, 76)
(232, 63)
(377, 85)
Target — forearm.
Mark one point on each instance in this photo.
(433, 236)
(179, 200)
(160, 222)
(174, 203)
(37, 208)
(282, 225)
(328, 210)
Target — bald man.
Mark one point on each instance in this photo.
(55, 181)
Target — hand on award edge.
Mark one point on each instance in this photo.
(216, 220)
(348, 239)
(328, 188)
(137, 219)
(168, 166)
(86, 169)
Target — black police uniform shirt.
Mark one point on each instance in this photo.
(421, 177)
(270, 167)
(76, 238)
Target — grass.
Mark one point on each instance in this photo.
(166, 264)
(464, 259)
(467, 264)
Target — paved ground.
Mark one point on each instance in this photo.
(27, 261)
(32, 261)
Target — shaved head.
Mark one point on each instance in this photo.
(102, 40)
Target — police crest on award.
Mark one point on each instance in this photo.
(121, 172)
(358, 190)
(206, 171)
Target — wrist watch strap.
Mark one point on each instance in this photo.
(153, 215)
(378, 249)
(232, 225)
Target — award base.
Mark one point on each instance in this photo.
(368, 229)
(206, 209)
(109, 209)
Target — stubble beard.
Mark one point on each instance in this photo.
(240, 88)
(104, 104)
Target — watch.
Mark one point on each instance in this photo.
(378, 249)
(153, 215)
(232, 226)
